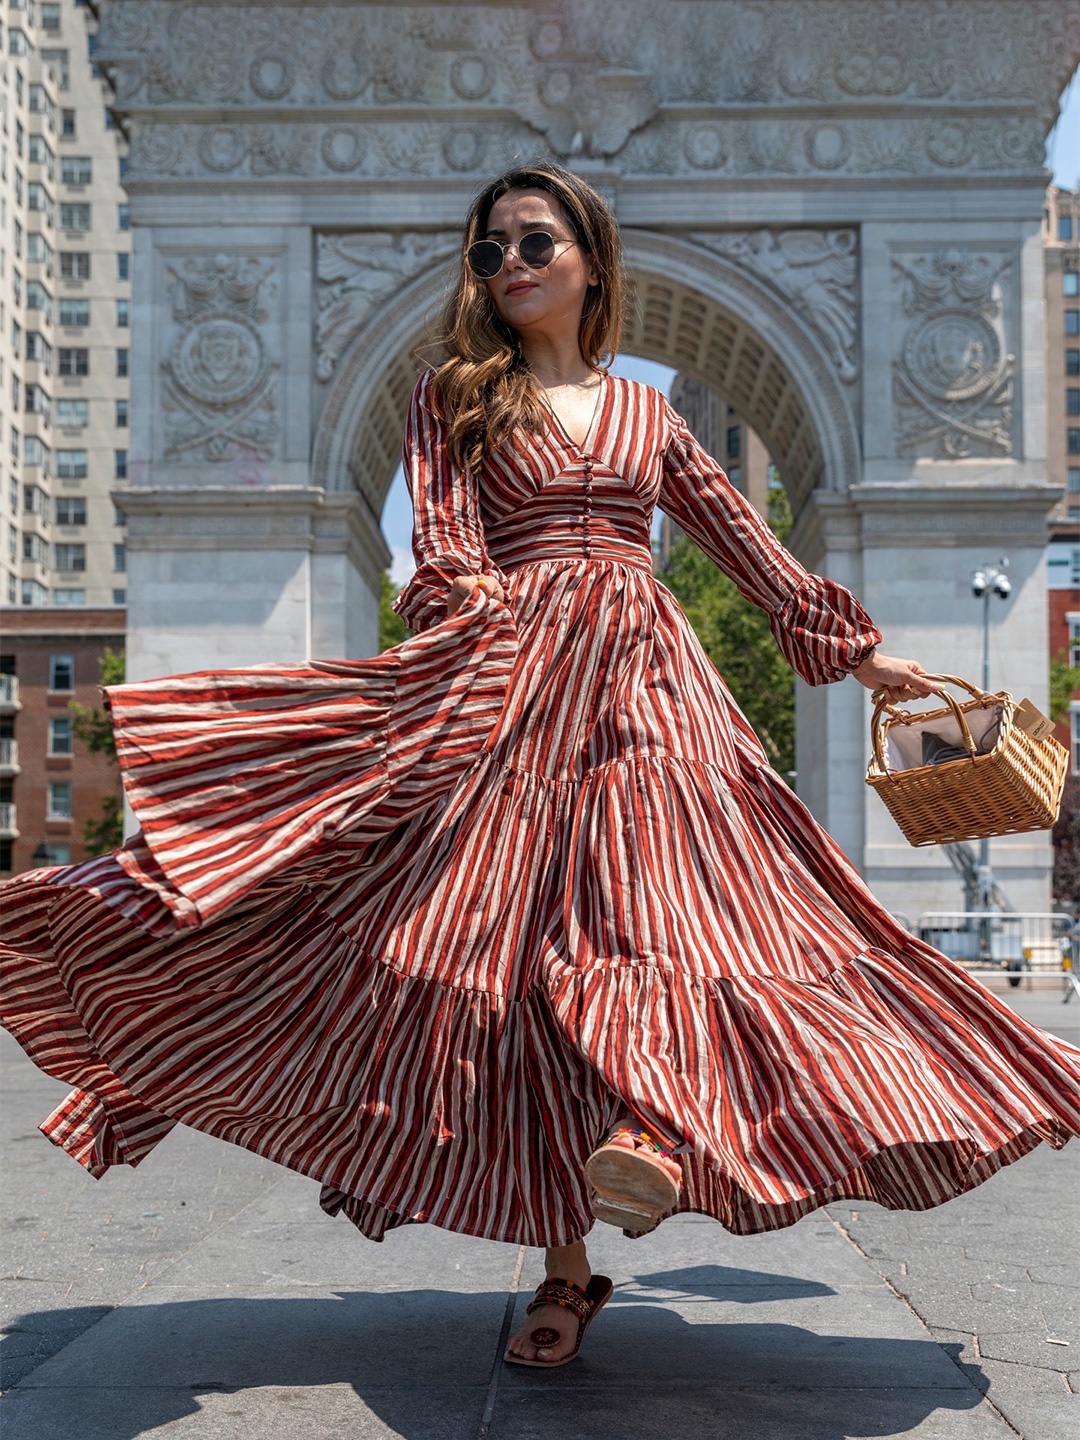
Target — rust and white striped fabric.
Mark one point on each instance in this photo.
(420, 926)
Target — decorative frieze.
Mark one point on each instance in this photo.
(953, 376)
(816, 270)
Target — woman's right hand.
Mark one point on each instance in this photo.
(464, 585)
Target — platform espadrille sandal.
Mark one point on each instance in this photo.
(628, 1188)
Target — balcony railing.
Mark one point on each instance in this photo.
(9, 692)
(9, 756)
(8, 828)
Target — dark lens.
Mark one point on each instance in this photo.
(537, 249)
(485, 258)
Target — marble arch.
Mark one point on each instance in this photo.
(834, 210)
(695, 310)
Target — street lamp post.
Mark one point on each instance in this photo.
(988, 580)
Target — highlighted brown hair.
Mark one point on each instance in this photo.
(484, 387)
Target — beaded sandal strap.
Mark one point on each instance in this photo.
(564, 1293)
(642, 1135)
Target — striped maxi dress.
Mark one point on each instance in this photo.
(422, 925)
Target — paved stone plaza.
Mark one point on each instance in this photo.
(206, 1297)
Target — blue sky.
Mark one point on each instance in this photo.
(1062, 157)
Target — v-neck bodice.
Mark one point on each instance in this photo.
(594, 423)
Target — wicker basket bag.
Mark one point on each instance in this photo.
(987, 766)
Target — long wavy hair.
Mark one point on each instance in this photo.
(483, 386)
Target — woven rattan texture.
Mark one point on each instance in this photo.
(1016, 787)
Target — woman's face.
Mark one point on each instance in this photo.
(538, 302)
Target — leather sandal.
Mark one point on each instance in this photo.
(628, 1188)
(584, 1304)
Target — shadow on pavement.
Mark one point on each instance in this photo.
(421, 1361)
(705, 1279)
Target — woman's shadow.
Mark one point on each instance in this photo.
(425, 1363)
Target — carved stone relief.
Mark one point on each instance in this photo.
(953, 377)
(590, 79)
(356, 272)
(816, 270)
(218, 377)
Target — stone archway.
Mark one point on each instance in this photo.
(833, 208)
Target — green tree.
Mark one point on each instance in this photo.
(94, 728)
(392, 629)
(736, 637)
(1064, 682)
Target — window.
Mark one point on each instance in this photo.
(69, 597)
(36, 452)
(39, 152)
(122, 313)
(61, 672)
(1072, 362)
(38, 403)
(67, 122)
(75, 264)
(74, 312)
(60, 735)
(74, 361)
(734, 474)
(1072, 322)
(59, 800)
(39, 199)
(1074, 480)
(40, 104)
(119, 597)
(70, 556)
(74, 216)
(121, 414)
(119, 560)
(76, 170)
(1072, 441)
(34, 593)
(1074, 639)
(7, 848)
(71, 464)
(70, 510)
(60, 61)
(122, 363)
(733, 443)
(1074, 721)
(1070, 280)
(1072, 402)
(120, 468)
(123, 267)
(72, 413)
(123, 217)
(118, 518)
(39, 250)
(50, 17)
(124, 164)
(17, 43)
(35, 549)
(39, 349)
(38, 298)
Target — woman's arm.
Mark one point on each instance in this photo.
(822, 630)
(448, 536)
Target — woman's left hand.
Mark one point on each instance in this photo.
(899, 679)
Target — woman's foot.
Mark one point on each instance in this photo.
(565, 1262)
(633, 1180)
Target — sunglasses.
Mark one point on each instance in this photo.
(536, 249)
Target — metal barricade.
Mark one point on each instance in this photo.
(1016, 945)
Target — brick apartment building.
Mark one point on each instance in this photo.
(50, 787)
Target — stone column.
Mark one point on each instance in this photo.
(234, 557)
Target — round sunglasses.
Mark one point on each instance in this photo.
(536, 249)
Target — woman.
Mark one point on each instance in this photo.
(512, 926)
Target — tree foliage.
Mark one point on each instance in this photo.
(736, 637)
(392, 629)
(94, 728)
(1064, 682)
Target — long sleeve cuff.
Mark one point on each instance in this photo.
(822, 631)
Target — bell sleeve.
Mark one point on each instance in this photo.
(448, 534)
(822, 630)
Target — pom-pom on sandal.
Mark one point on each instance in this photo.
(628, 1188)
(584, 1304)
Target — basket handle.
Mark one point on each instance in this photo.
(879, 727)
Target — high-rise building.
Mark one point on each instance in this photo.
(65, 258)
(64, 313)
(719, 428)
(1061, 254)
